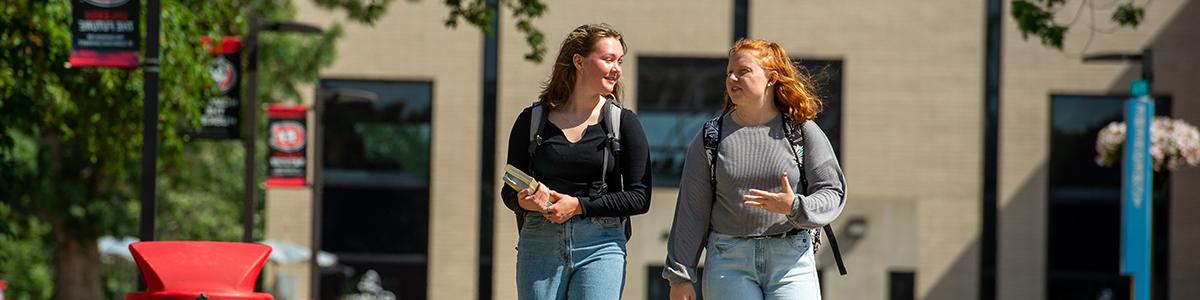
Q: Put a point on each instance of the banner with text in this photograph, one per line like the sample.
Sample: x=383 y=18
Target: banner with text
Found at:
x=286 y=146
x=104 y=33
x=219 y=116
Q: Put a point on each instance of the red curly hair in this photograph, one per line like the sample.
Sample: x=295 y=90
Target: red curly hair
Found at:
x=794 y=92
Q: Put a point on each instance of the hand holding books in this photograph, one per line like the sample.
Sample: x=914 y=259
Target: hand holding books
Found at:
x=531 y=195
x=534 y=196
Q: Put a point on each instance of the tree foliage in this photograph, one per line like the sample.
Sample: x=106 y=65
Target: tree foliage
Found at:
x=475 y=12
x=70 y=137
x=1036 y=17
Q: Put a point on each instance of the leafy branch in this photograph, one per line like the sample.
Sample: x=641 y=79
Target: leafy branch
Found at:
x=1036 y=17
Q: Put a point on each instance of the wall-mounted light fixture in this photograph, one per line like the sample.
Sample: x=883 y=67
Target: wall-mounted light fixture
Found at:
x=855 y=228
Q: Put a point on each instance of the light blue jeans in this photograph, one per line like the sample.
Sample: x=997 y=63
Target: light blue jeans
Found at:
x=767 y=268
x=583 y=258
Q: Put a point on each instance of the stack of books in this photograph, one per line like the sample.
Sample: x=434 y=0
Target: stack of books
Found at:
x=518 y=180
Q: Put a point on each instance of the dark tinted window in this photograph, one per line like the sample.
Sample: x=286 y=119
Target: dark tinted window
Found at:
x=902 y=285
x=1084 y=209
x=677 y=95
x=375 y=206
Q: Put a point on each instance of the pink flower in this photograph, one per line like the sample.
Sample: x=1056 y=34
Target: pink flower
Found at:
x=1174 y=143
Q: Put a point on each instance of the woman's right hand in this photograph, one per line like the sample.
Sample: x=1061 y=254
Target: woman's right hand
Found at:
x=535 y=201
x=683 y=291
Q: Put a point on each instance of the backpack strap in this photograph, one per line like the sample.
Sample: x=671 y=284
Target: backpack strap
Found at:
x=612 y=119
x=837 y=252
x=795 y=136
x=613 y=122
x=711 y=136
x=611 y=111
x=537 y=122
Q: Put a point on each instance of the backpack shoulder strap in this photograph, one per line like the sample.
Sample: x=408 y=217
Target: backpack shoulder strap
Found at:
x=611 y=113
x=711 y=135
x=612 y=120
x=795 y=136
x=537 y=121
x=794 y=131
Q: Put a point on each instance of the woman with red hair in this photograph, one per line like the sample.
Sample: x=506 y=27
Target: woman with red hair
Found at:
x=757 y=183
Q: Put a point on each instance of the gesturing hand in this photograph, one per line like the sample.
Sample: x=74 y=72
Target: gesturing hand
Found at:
x=563 y=209
x=780 y=203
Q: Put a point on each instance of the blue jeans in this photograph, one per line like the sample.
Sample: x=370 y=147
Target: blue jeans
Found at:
x=583 y=258
x=767 y=268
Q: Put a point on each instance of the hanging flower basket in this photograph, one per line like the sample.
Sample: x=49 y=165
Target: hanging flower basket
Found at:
x=1173 y=143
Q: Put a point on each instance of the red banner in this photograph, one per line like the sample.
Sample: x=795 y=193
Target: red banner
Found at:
x=287 y=142
x=104 y=33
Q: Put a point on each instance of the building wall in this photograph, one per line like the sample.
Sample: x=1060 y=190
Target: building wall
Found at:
x=1176 y=67
x=912 y=129
x=1030 y=74
x=288 y=219
x=411 y=43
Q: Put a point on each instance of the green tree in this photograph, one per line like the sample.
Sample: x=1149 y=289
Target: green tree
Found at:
x=69 y=146
x=1036 y=17
x=475 y=12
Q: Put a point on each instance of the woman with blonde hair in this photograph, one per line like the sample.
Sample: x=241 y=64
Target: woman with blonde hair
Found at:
x=592 y=160
x=757 y=183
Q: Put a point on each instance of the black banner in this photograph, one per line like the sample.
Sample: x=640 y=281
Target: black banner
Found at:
x=286 y=145
x=220 y=116
x=104 y=33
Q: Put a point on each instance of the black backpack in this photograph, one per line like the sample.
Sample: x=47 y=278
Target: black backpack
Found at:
x=612 y=121
x=795 y=137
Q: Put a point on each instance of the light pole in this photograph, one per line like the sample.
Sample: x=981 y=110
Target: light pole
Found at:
x=339 y=96
x=250 y=112
x=150 y=68
x=1136 y=176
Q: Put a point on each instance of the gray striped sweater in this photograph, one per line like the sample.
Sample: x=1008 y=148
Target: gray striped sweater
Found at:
x=750 y=157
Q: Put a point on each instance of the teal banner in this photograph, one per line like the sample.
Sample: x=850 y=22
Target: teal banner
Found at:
x=1136 y=188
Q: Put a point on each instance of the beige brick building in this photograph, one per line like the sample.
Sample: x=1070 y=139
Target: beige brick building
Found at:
x=910 y=82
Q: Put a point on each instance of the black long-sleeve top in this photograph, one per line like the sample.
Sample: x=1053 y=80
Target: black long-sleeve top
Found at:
x=570 y=168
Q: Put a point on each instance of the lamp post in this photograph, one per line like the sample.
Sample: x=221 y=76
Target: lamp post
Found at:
x=150 y=69
x=339 y=96
x=250 y=112
x=150 y=77
x=1136 y=176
